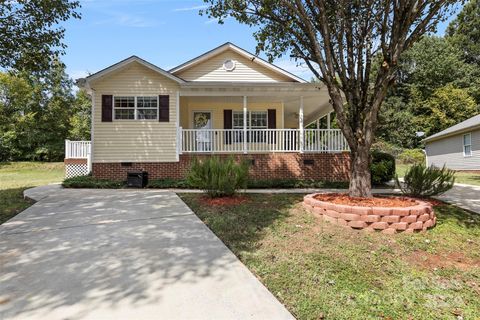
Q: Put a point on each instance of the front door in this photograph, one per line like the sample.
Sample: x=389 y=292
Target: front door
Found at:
x=202 y=121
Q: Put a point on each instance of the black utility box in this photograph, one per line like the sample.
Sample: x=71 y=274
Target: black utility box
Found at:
x=137 y=179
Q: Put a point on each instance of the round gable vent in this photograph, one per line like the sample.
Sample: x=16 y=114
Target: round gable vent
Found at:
x=229 y=65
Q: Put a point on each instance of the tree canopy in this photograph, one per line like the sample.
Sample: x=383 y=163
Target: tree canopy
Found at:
x=37 y=113
x=30 y=32
x=464 y=31
x=339 y=41
x=438 y=83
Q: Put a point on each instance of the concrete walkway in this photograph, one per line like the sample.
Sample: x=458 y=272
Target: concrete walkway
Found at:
x=464 y=196
x=121 y=254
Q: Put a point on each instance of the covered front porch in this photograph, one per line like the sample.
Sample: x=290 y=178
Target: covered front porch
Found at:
x=256 y=119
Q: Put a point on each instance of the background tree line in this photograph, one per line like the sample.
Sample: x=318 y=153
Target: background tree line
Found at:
x=39 y=107
x=38 y=111
x=438 y=83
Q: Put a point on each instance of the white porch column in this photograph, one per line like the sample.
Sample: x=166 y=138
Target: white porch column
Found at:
x=177 y=126
x=328 y=120
x=300 y=124
x=245 y=145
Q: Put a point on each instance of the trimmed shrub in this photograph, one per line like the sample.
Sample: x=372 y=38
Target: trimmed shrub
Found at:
x=168 y=183
x=382 y=167
x=423 y=181
x=91 y=182
x=411 y=156
x=295 y=183
x=218 y=178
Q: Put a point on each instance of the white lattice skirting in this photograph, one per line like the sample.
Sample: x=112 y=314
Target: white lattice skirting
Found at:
x=75 y=170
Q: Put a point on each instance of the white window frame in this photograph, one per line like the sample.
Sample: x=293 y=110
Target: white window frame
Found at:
x=135 y=108
x=249 y=120
x=467 y=145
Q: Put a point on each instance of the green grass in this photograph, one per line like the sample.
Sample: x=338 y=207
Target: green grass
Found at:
x=460 y=177
x=323 y=271
x=18 y=176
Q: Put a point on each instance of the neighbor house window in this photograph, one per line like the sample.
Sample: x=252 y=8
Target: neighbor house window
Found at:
x=467 y=145
x=135 y=108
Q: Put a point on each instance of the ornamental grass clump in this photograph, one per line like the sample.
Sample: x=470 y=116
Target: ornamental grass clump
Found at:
x=423 y=181
x=218 y=178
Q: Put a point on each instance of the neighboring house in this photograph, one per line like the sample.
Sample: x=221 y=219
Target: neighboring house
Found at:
x=226 y=101
x=457 y=147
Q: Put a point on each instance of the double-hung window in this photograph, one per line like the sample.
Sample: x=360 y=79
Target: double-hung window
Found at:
x=135 y=108
x=467 y=145
x=255 y=120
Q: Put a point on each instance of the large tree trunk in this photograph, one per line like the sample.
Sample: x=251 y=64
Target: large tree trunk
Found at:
x=360 y=181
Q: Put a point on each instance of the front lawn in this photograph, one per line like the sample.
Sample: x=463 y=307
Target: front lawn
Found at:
x=18 y=176
x=460 y=177
x=324 y=271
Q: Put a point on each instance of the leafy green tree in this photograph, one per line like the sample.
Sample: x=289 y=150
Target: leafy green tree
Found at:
x=338 y=40
x=446 y=107
x=397 y=123
x=30 y=33
x=464 y=31
x=38 y=112
x=80 y=121
x=433 y=67
x=432 y=63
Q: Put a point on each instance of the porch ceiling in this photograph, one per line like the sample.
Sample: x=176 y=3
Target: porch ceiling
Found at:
x=315 y=96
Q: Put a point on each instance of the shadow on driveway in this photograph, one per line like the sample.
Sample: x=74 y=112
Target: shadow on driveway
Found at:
x=122 y=254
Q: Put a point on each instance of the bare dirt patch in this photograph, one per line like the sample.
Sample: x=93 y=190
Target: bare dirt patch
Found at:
x=377 y=201
x=430 y=261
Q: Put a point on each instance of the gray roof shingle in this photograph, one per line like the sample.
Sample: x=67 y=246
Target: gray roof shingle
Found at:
x=467 y=124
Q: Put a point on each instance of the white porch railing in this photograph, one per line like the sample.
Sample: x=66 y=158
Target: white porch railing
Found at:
x=261 y=140
x=77 y=149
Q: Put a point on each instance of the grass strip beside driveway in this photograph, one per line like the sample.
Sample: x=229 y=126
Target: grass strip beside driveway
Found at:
x=15 y=177
x=324 y=271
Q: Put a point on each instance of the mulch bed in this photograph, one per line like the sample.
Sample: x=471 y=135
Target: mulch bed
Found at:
x=377 y=201
x=224 y=201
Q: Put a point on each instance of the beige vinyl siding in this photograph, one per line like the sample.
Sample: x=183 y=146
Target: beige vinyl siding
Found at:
x=216 y=105
x=449 y=151
x=245 y=70
x=134 y=140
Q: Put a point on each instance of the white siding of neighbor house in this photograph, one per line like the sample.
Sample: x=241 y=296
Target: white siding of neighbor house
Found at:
x=449 y=152
x=245 y=70
x=134 y=140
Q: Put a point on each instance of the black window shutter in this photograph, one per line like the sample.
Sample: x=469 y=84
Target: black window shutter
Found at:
x=164 y=108
x=107 y=104
x=227 y=124
x=272 y=123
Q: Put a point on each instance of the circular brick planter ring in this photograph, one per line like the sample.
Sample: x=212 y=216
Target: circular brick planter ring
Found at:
x=390 y=220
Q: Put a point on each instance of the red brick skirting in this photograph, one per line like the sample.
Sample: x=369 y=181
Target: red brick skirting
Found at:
x=325 y=166
x=75 y=161
x=388 y=220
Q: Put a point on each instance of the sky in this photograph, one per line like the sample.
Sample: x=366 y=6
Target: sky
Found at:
x=163 y=32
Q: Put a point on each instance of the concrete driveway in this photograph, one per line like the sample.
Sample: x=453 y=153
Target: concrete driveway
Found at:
x=464 y=196
x=122 y=254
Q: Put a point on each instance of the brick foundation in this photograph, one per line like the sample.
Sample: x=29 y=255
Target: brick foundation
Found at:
x=74 y=161
x=325 y=166
x=387 y=220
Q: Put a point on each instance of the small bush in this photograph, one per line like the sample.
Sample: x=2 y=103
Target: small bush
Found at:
x=295 y=183
x=91 y=182
x=382 y=167
x=217 y=177
x=411 y=156
x=168 y=183
x=422 y=181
